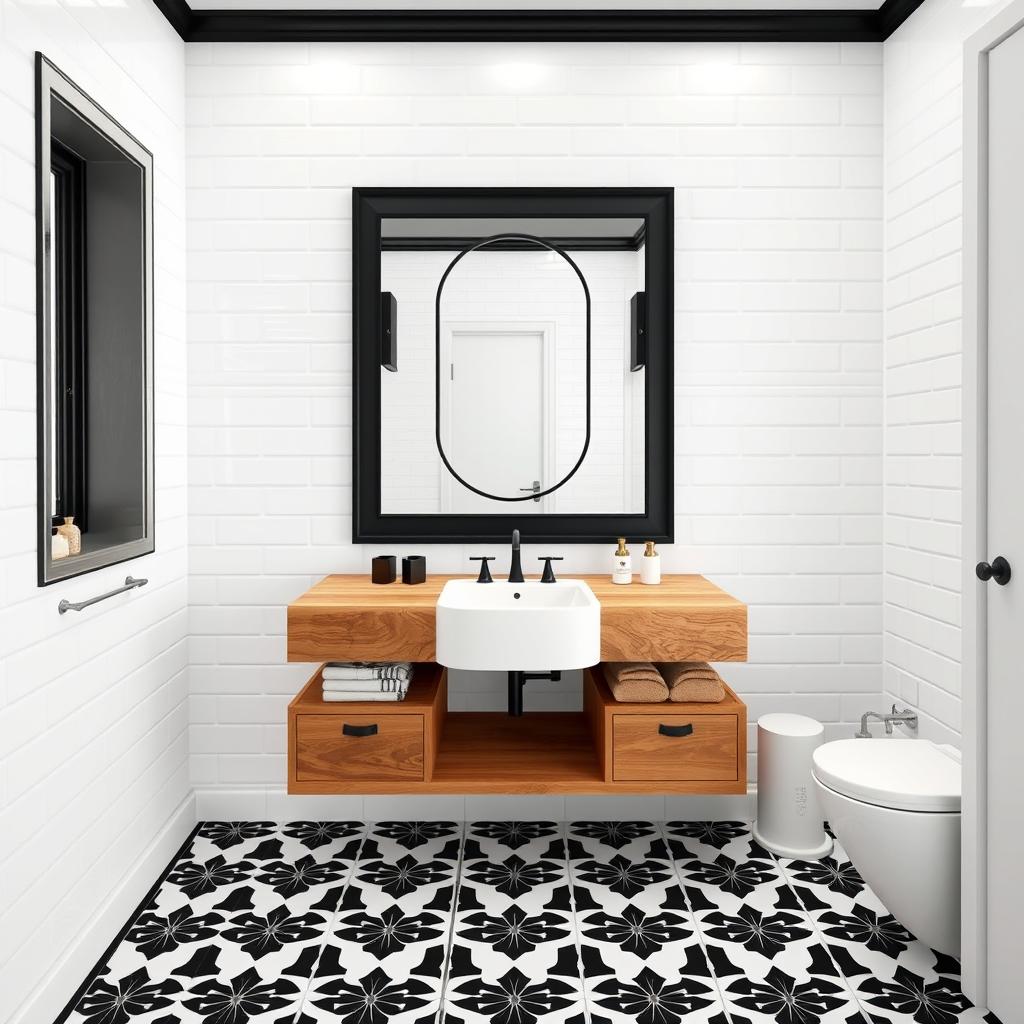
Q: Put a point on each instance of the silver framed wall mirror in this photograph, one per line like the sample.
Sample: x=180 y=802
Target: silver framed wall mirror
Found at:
x=94 y=294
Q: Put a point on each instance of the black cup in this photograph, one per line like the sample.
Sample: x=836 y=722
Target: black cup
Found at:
x=414 y=569
x=383 y=569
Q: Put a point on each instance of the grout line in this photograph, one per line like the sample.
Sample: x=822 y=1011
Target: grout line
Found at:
x=577 y=932
x=693 y=919
x=329 y=930
x=450 y=942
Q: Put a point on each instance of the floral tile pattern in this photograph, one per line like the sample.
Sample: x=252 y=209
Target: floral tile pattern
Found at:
x=641 y=955
x=384 y=958
x=233 y=933
x=770 y=965
x=514 y=956
x=895 y=977
x=513 y=923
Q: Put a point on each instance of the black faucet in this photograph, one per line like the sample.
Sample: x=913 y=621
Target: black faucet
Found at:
x=515 y=570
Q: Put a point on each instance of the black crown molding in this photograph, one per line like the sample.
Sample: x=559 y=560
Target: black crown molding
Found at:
x=268 y=26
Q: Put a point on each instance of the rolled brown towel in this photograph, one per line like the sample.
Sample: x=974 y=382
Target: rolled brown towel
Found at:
x=692 y=682
x=635 y=682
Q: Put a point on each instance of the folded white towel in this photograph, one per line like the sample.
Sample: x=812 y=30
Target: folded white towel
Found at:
x=369 y=695
x=365 y=686
x=396 y=670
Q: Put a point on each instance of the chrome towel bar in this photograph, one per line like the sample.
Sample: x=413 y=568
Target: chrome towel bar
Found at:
x=130 y=583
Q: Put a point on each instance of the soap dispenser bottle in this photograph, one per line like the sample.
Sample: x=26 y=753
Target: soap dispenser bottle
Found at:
x=650 y=565
x=622 y=564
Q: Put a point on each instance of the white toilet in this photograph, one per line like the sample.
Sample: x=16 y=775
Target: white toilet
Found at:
x=894 y=805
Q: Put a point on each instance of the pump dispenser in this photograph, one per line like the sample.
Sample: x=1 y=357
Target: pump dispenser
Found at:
x=622 y=564
x=650 y=565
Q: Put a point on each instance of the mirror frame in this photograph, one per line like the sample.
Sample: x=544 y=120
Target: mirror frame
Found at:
x=372 y=205
x=50 y=80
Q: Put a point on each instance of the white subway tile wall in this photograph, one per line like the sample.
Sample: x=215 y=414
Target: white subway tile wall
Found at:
x=775 y=154
x=923 y=241
x=93 y=707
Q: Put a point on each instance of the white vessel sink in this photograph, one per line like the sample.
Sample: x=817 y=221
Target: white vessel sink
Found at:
x=518 y=627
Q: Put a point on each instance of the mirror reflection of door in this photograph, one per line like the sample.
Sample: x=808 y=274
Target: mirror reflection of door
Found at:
x=496 y=391
x=512 y=428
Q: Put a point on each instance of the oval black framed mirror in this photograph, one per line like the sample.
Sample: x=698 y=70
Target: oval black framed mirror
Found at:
x=512 y=428
x=512 y=355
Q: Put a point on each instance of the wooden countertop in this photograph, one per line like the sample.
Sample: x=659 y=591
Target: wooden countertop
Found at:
x=348 y=618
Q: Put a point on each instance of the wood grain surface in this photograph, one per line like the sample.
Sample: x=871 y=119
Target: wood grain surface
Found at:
x=348 y=618
x=641 y=751
x=325 y=753
x=421 y=748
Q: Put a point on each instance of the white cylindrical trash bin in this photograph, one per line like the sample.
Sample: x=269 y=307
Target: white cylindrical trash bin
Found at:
x=789 y=821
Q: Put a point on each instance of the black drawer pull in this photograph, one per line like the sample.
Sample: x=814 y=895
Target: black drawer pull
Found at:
x=676 y=730
x=359 y=730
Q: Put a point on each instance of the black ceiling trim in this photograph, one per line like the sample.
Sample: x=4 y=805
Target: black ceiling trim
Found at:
x=230 y=26
x=893 y=13
x=179 y=14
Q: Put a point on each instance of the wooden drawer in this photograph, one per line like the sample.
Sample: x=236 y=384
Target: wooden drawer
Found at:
x=340 y=748
x=675 y=748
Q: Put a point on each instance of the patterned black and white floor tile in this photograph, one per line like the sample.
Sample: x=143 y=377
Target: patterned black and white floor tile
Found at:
x=762 y=946
x=514 y=955
x=234 y=931
x=892 y=973
x=385 y=955
x=512 y=923
x=640 y=953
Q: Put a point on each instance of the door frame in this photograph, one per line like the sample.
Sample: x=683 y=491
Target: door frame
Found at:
x=549 y=398
x=974 y=669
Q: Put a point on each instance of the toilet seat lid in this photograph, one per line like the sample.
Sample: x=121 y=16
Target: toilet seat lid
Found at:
x=909 y=775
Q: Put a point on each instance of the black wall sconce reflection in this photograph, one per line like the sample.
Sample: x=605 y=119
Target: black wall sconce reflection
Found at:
x=499 y=240
x=638 y=331
x=389 y=332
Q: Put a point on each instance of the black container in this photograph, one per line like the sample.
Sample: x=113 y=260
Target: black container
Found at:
x=384 y=569
x=414 y=569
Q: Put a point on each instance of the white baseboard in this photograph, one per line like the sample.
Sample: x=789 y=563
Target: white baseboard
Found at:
x=74 y=965
x=273 y=803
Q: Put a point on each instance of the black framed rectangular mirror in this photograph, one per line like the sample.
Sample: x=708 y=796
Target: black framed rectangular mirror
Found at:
x=512 y=364
x=94 y=295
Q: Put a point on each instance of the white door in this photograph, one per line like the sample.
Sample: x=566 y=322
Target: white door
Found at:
x=496 y=416
x=1005 y=604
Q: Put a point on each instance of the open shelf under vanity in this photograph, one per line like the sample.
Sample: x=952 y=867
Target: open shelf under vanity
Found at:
x=418 y=746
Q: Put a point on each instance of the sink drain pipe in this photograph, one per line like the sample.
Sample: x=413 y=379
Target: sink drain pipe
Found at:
x=516 y=682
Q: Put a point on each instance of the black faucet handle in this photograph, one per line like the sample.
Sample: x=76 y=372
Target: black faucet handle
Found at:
x=485 y=569
x=548 y=575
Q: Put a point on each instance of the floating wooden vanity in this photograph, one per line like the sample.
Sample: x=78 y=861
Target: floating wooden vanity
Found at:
x=418 y=746
x=348 y=618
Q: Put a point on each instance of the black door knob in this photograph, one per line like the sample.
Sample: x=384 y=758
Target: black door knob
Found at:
x=999 y=570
